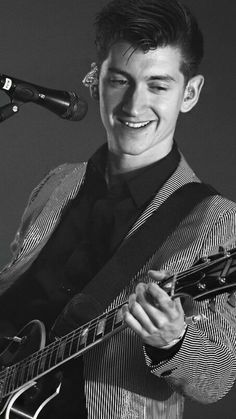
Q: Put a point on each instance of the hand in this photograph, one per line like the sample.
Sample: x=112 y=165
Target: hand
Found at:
x=153 y=315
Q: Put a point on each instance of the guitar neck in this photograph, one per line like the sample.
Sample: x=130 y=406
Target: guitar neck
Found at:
x=61 y=350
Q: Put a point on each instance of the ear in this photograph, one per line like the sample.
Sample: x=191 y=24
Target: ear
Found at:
x=192 y=93
x=94 y=91
x=91 y=80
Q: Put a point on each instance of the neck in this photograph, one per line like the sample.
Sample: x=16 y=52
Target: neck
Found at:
x=125 y=163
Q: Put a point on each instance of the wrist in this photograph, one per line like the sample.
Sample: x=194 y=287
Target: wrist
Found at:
x=176 y=340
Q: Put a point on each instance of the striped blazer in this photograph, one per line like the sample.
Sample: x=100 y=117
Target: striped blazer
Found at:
x=121 y=382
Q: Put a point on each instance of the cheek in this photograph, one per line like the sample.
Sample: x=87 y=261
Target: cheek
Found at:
x=106 y=110
x=170 y=109
x=109 y=105
x=104 y=103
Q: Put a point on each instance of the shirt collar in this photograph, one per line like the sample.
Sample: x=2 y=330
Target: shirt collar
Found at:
x=143 y=183
x=146 y=182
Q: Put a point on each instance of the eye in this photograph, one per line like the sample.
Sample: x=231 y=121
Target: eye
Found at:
x=158 y=87
x=118 y=82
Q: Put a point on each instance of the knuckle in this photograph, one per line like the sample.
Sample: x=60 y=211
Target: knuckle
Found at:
x=140 y=288
x=132 y=298
x=161 y=323
x=158 y=275
x=153 y=288
x=134 y=307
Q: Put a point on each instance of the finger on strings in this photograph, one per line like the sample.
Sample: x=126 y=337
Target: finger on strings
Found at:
x=131 y=321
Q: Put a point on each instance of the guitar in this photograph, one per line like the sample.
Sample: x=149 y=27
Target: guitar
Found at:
x=27 y=358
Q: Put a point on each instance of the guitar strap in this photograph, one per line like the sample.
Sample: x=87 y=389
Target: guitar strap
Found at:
x=148 y=238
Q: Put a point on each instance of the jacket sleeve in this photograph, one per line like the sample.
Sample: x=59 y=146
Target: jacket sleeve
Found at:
x=36 y=202
x=204 y=367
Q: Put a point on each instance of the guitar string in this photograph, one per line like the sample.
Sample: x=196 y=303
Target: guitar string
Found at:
x=91 y=326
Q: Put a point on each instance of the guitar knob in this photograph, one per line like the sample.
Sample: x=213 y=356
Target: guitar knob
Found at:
x=201 y=286
x=205 y=259
x=221 y=279
x=225 y=251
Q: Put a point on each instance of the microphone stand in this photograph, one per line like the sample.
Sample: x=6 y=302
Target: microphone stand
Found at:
x=9 y=110
x=18 y=97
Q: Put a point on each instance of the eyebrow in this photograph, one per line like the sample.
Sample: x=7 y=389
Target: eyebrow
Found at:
x=163 y=77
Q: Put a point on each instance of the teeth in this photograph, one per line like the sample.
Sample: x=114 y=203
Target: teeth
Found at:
x=136 y=124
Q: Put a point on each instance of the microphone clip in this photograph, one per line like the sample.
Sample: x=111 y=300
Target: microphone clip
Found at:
x=8 y=110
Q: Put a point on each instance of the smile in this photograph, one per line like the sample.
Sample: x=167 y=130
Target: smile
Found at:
x=135 y=125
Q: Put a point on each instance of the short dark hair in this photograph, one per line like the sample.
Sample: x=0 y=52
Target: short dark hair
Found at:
x=148 y=24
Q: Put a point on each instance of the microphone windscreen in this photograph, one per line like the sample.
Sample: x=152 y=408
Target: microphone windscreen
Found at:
x=77 y=110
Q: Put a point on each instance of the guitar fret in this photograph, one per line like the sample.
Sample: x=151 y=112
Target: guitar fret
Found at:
x=110 y=322
x=83 y=338
x=2 y=384
x=101 y=327
x=60 y=350
x=53 y=355
x=35 y=367
x=15 y=378
x=45 y=362
x=30 y=373
x=21 y=374
x=31 y=368
x=67 y=346
x=91 y=334
x=42 y=362
x=7 y=380
x=72 y=348
x=118 y=318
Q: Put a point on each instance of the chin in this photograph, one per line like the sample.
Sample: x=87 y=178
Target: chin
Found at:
x=131 y=145
x=131 y=149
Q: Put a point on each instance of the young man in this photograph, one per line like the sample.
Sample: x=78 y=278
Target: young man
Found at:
x=81 y=215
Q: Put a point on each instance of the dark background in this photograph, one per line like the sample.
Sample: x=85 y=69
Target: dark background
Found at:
x=50 y=43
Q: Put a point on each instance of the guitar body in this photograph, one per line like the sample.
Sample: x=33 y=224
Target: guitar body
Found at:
x=31 y=398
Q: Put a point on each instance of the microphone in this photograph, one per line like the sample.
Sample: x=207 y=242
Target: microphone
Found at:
x=67 y=105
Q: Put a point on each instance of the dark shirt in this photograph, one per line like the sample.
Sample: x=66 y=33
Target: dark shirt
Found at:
x=131 y=192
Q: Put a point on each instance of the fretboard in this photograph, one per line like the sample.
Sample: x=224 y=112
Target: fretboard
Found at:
x=61 y=350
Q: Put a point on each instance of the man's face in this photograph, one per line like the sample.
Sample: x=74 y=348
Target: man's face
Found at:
x=140 y=98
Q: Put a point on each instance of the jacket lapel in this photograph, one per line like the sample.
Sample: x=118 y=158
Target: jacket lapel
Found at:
x=180 y=177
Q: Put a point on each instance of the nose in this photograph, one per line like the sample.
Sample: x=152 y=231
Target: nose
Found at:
x=135 y=101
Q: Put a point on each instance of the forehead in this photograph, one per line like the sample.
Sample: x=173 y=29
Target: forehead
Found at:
x=124 y=57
